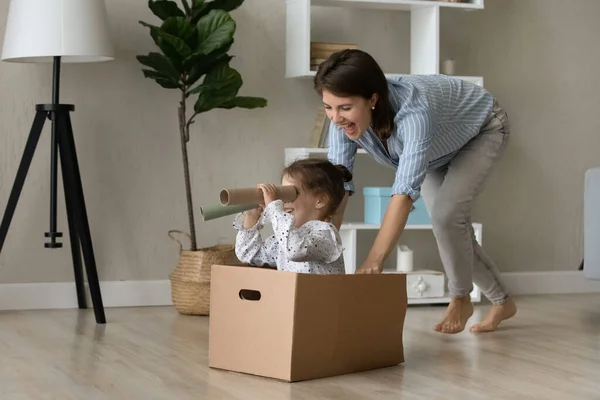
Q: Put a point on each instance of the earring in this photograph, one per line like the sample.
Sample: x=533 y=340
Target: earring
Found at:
x=372 y=108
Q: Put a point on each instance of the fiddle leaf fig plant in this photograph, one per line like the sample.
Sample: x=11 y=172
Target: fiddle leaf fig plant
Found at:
x=192 y=57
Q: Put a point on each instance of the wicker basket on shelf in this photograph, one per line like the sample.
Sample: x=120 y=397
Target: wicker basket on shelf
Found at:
x=190 y=280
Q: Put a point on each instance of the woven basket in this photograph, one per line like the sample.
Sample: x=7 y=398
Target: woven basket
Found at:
x=190 y=280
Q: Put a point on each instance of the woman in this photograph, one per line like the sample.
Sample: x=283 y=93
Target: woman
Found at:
x=442 y=136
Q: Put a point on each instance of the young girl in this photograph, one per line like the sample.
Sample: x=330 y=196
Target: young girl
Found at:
x=304 y=238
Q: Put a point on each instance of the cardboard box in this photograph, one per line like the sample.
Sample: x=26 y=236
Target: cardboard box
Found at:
x=296 y=327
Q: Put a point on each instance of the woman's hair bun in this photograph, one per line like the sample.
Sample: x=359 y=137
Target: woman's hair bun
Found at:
x=346 y=174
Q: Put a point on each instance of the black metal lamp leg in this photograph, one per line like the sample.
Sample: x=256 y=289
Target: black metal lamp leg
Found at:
x=30 y=146
x=73 y=232
x=74 y=188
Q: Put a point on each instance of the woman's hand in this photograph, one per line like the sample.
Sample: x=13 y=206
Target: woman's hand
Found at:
x=270 y=193
x=370 y=267
x=392 y=226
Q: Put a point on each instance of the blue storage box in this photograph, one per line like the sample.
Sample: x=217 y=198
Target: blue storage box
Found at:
x=377 y=200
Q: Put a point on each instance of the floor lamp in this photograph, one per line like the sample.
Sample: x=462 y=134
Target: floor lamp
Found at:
x=59 y=31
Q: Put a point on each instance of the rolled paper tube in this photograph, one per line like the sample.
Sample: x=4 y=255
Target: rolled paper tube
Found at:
x=213 y=211
x=254 y=195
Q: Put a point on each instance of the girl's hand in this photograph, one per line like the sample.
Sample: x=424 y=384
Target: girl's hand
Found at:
x=251 y=217
x=270 y=193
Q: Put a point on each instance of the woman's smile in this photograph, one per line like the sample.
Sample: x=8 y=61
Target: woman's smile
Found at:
x=349 y=128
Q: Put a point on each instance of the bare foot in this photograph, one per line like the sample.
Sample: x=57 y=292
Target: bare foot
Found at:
x=457 y=314
x=496 y=315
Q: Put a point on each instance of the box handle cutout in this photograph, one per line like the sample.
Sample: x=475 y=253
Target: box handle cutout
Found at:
x=252 y=295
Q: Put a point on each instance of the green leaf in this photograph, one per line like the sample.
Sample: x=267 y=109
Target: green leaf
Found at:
x=163 y=45
x=170 y=38
x=177 y=45
x=186 y=7
x=244 y=102
x=225 y=5
x=179 y=27
x=220 y=85
x=205 y=65
x=203 y=103
x=161 y=79
x=224 y=74
x=197 y=4
x=214 y=31
x=153 y=31
x=164 y=9
x=176 y=32
x=160 y=63
x=199 y=58
x=223 y=81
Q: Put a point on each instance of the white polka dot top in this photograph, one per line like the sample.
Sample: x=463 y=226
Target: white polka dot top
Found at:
x=314 y=248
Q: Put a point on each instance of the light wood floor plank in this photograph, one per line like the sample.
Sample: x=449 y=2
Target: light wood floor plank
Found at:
x=551 y=350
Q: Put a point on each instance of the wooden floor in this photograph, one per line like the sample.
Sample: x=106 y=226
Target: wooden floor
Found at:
x=551 y=350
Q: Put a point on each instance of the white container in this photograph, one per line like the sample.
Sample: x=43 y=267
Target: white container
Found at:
x=448 y=67
x=405 y=259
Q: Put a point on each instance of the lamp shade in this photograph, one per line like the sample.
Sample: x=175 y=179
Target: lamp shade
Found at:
x=39 y=30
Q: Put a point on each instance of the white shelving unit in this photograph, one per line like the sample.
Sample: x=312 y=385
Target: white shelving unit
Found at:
x=349 y=232
x=424 y=33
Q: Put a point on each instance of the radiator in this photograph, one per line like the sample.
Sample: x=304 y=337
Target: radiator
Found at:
x=591 y=224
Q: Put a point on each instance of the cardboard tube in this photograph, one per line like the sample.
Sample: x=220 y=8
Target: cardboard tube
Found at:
x=213 y=211
x=254 y=195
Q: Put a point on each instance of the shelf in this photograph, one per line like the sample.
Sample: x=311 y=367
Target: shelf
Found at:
x=397 y=5
x=424 y=30
x=350 y=240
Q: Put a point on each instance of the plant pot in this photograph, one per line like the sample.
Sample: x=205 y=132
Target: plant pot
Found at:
x=190 y=280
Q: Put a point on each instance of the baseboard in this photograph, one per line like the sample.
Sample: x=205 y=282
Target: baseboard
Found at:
x=36 y=296
x=549 y=282
x=32 y=296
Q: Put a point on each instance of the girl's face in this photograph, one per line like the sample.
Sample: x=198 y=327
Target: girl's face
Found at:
x=353 y=114
x=306 y=207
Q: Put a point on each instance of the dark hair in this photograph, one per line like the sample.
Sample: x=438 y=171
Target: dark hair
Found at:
x=320 y=176
x=353 y=72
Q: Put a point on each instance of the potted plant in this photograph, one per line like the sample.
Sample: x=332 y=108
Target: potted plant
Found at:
x=192 y=57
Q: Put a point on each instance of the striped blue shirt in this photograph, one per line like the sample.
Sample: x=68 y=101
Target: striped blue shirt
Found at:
x=435 y=115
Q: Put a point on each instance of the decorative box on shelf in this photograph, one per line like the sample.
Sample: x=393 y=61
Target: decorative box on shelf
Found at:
x=377 y=200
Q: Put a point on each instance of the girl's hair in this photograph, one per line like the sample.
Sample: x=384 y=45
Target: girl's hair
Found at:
x=353 y=72
x=319 y=176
